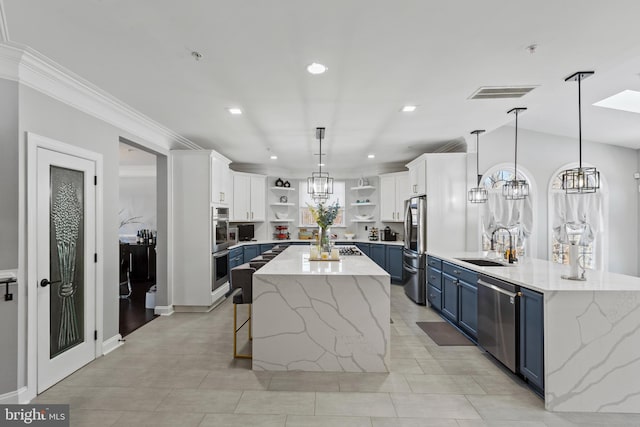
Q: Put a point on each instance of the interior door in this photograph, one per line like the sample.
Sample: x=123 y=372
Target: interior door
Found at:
x=66 y=246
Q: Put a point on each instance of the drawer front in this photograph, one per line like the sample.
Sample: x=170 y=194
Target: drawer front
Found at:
x=434 y=296
x=434 y=262
x=468 y=276
x=434 y=277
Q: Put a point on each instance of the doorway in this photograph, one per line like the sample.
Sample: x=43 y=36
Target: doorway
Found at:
x=138 y=212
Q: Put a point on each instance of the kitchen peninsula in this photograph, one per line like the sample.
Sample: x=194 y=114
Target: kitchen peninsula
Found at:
x=590 y=332
x=321 y=315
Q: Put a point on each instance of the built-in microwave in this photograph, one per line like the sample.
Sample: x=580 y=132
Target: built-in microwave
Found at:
x=219 y=229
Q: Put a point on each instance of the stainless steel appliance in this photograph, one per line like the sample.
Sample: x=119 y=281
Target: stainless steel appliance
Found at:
x=219 y=229
x=414 y=254
x=219 y=244
x=245 y=232
x=220 y=272
x=498 y=314
x=388 y=235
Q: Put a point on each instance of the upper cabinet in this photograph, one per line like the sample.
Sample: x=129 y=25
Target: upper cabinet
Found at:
x=418 y=176
x=393 y=192
x=249 y=197
x=220 y=181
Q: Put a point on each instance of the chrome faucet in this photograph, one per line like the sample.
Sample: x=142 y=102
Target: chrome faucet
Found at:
x=512 y=258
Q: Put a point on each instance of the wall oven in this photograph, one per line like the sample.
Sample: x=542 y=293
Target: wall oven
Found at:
x=220 y=262
x=219 y=244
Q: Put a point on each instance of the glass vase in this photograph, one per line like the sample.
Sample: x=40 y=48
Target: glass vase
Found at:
x=324 y=239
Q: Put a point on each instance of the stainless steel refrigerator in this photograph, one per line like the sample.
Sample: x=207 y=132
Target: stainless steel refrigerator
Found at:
x=414 y=254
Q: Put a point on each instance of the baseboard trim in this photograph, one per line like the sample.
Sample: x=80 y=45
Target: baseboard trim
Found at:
x=164 y=310
x=13 y=397
x=111 y=344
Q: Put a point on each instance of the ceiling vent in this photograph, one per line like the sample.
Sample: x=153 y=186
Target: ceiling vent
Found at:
x=501 y=92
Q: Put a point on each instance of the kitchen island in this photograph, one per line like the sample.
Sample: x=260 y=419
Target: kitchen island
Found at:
x=321 y=315
x=591 y=333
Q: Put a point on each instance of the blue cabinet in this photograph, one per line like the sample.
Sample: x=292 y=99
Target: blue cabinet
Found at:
x=450 y=297
x=532 y=337
x=434 y=282
x=468 y=314
x=394 y=262
x=459 y=296
x=378 y=254
x=250 y=252
x=434 y=296
x=364 y=248
x=266 y=246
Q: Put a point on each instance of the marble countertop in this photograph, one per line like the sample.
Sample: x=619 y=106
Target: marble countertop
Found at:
x=295 y=261
x=339 y=241
x=545 y=276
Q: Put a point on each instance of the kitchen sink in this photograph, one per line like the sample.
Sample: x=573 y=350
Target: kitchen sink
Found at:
x=483 y=262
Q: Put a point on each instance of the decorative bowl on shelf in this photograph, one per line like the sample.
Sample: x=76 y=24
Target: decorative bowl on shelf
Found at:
x=363 y=217
x=349 y=236
x=282 y=215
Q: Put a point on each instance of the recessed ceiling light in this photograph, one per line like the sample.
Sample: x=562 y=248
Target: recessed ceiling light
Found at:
x=371 y=156
x=316 y=68
x=274 y=157
x=235 y=111
x=627 y=100
x=408 y=109
x=320 y=164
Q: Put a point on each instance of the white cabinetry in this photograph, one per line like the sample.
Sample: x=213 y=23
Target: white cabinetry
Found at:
x=393 y=192
x=418 y=176
x=192 y=186
x=249 y=197
x=220 y=181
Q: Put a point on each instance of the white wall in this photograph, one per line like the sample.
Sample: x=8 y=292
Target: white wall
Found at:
x=137 y=199
x=542 y=154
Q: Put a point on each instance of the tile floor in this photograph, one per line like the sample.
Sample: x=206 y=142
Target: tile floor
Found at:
x=178 y=371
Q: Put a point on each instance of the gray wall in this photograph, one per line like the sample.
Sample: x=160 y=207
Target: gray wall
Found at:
x=45 y=116
x=542 y=154
x=9 y=175
x=138 y=199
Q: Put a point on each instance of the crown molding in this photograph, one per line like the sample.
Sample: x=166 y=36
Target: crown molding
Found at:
x=34 y=70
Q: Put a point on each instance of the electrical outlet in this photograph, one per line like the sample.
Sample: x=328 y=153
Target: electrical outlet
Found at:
x=636 y=175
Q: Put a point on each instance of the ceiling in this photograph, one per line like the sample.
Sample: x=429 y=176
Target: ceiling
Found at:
x=381 y=55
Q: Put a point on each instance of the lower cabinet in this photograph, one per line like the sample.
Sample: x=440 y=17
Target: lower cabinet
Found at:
x=468 y=313
x=434 y=296
x=378 y=254
x=394 y=262
x=460 y=297
x=250 y=252
x=532 y=337
x=266 y=246
x=364 y=248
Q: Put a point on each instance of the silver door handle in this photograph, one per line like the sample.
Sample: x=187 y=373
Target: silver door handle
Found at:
x=497 y=289
x=247 y=215
x=251 y=214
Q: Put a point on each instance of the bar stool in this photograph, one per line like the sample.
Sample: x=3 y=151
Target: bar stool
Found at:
x=242 y=293
x=269 y=255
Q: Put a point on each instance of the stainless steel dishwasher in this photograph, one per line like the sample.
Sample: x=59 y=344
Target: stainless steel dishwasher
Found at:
x=498 y=319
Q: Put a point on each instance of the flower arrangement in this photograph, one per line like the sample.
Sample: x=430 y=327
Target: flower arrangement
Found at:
x=324 y=215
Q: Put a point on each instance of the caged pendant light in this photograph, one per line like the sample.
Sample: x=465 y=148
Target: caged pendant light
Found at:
x=580 y=180
x=478 y=194
x=320 y=184
x=515 y=189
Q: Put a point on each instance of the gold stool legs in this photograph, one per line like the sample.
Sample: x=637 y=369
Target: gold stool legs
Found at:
x=235 y=332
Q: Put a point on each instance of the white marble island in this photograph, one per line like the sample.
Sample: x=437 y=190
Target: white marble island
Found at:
x=321 y=315
x=591 y=333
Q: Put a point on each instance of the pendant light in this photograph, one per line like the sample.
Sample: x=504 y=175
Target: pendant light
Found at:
x=478 y=194
x=515 y=189
x=580 y=180
x=320 y=184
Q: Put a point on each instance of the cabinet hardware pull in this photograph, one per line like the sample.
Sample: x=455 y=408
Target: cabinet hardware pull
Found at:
x=247 y=215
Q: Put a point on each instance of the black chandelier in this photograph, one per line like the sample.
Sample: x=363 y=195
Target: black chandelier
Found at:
x=478 y=194
x=580 y=180
x=515 y=189
x=320 y=184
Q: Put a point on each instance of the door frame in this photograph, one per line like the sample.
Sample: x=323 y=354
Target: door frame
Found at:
x=34 y=142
